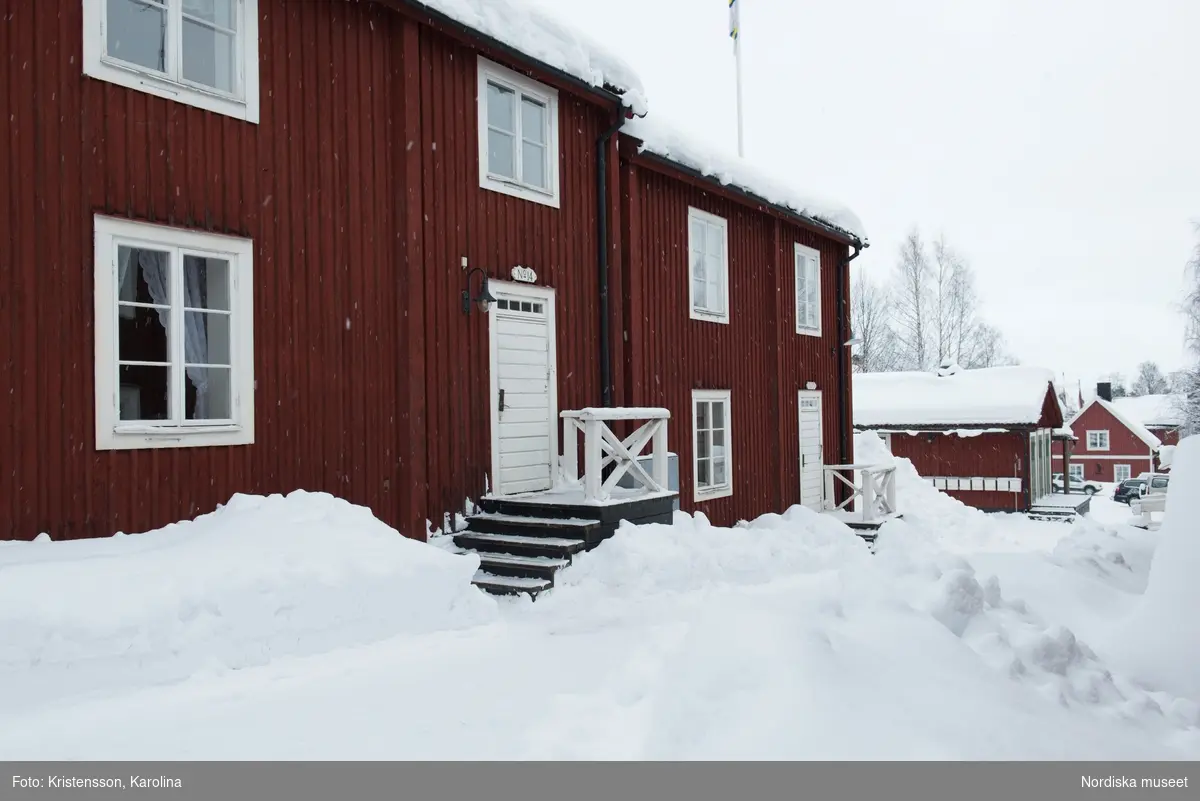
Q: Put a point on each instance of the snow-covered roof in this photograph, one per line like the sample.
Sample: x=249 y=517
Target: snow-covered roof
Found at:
x=527 y=27
x=989 y=396
x=1136 y=428
x=1154 y=410
x=669 y=142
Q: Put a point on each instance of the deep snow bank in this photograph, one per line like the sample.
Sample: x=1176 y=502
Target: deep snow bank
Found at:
x=259 y=578
x=1160 y=641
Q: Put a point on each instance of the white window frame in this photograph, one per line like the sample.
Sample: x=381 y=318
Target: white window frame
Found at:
x=111 y=432
x=708 y=220
x=522 y=87
x=805 y=256
x=242 y=104
x=1098 y=447
x=1077 y=467
x=724 y=397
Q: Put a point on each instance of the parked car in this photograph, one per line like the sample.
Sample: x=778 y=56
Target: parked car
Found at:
x=1129 y=489
x=1077 y=484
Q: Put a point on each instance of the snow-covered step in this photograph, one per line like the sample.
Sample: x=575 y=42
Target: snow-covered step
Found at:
x=549 y=522
x=510 y=585
x=503 y=564
x=519 y=544
x=534 y=525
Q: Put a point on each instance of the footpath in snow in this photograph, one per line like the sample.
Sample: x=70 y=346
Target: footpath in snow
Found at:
x=303 y=628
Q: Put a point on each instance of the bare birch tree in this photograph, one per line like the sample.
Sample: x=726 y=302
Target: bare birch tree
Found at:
x=1150 y=380
x=1190 y=376
x=912 y=303
x=871 y=319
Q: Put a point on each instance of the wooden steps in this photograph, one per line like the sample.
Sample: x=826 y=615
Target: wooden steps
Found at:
x=523 y=543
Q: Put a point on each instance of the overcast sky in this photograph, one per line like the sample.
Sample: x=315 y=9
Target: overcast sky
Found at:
x=1055 y=142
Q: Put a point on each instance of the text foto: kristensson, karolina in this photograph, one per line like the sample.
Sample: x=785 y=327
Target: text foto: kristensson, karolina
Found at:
x=96 y=782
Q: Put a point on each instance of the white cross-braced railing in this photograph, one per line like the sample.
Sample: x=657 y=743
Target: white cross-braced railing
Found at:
x=602 y=448
x=877 y=491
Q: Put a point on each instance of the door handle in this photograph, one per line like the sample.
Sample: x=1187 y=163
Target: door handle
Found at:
x=501 y=400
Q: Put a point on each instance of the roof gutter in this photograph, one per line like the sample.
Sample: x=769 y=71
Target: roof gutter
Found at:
x=825 y=228
x=604 y=94
x=847 y=455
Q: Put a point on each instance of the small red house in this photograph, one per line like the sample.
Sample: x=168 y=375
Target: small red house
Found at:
x=376 y=248
x=1120 y=439
x=983 y=436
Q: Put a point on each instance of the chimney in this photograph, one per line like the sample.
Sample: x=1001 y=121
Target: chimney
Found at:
x=1104 y=391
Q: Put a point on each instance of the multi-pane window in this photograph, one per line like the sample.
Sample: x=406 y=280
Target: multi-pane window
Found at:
x=808 y=290
x=1121 y=472
x=712 y=463
x=1097 y=440
x=199 y=52
x=1077 y=471
x=708 y=260
x=174 y=352
x=518 y=135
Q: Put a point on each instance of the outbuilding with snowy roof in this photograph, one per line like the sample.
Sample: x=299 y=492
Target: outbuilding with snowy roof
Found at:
x=981 y=435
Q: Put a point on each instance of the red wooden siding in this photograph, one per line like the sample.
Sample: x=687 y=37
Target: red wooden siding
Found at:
x=995 y=455
x=758 y=355
x=1124 y=447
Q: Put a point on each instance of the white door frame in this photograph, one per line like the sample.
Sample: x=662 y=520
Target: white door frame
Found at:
x=820 y=396
x=547 y=297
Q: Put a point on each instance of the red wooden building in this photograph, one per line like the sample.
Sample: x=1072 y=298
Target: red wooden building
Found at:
x=241 y=241
x=1121 y=438
x=983 y=436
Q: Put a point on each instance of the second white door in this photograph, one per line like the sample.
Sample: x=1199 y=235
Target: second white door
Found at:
x=812 y=462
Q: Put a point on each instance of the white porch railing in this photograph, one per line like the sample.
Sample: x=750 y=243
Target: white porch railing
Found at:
x=876 y=495
x=601 y=448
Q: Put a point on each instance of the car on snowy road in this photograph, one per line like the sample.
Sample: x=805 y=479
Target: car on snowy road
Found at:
x=1077 y=485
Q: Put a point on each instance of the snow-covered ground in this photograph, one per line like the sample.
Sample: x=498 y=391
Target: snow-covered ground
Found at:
x=301 y=628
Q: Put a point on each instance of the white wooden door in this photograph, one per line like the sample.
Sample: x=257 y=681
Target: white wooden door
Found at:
x=524 y=400
x=812 y=460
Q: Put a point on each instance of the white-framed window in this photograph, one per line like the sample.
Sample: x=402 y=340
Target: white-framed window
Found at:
x=1076 y=469
x=203 y=53
x=708 y=266
x=1097 y=440
x=518 y=135
x=174 y=337
x=808 y=291
x=712 y=462
x=1121 y=472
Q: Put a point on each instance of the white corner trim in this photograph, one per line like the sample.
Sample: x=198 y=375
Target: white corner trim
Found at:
x=695 y=313
x=243 y=105
x=804 y=250
x=724 y=396
x=521 y=85
x=111 y=433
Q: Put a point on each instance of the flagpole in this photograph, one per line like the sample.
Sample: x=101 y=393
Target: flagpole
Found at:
x=736 y=33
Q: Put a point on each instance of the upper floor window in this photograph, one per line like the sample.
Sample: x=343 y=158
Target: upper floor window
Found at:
x=808 y=291
x=174 y=337
x=203 y=53
x=708 y=258
x=518 y=135
x=1097 y=440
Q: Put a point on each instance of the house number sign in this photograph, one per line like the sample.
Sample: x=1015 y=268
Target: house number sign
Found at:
x=525 y=275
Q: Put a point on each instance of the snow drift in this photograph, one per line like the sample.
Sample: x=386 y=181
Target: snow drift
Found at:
x=260 y=578
x=1160 y=642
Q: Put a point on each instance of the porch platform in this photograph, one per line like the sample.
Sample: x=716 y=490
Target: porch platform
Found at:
x=1060 y=507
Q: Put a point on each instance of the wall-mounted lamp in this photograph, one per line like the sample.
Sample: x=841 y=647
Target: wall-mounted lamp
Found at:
x=484 y=298
x=853 y=341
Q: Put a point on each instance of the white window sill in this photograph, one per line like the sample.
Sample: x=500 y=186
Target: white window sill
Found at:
x=150 y=437
x=713 y=494
x=514 y=189
x=131 y=77
x=709 y=317
x=809 y=332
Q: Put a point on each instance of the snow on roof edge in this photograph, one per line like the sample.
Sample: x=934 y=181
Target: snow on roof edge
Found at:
x=992 y=396
x=669 y=142
x=535 y=32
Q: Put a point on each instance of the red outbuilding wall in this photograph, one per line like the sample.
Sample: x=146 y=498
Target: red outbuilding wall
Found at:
x=993 y=455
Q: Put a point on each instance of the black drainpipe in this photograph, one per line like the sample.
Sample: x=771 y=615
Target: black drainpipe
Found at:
x=846 y=456
x=602 y=213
